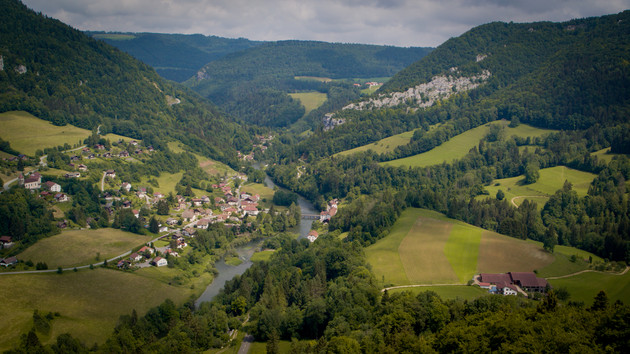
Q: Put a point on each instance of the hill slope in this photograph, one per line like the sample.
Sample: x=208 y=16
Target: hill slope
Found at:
x=175 y=57
x=60 y=74
x=248 y=82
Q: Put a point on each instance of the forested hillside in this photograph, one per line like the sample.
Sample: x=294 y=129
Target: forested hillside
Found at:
x=176 y=57
x=62 y=75
x=252 y=84
x=571 y=76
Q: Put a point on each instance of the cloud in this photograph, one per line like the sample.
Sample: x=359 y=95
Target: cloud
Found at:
x=392 y=22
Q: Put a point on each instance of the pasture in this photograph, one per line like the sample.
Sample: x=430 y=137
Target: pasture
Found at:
x=584 y=287
x=89 y=302
x=459 y=145
x=550 y=180
x=27 y=133
x=310 y=100
x=81 y=247
x=384 y=145
x=166 y=182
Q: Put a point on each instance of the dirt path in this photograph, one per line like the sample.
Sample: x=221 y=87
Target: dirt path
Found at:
x=588 y=271
x=103 y=182
x=419 y=285
x=525 y=196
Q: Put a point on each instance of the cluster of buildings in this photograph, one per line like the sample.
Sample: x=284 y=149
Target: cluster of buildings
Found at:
x=331 y=210
x=143 y=257
x=49 y=189
x=511 y=283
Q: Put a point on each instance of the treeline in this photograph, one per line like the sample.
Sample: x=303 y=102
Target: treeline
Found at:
x=72 y=78
x=323 y=298
x=246 y=83
x=597 y=223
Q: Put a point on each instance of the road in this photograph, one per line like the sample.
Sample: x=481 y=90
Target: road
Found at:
x=588 y=271
x=526 y=196
x=72 y=268
x=103 y=181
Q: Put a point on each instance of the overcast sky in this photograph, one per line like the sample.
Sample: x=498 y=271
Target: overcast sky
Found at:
x=392 y=22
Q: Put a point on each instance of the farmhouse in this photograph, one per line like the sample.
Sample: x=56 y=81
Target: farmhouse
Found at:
x=60 y=197
x=146 y=249
x=110 y=174
x=135 y=257
x=33 y=181
x=8 y=261
x=525 y=280
x=159 y=262
x=52 y=186
x=125 y=186
x=72 y=175
x=312 y=235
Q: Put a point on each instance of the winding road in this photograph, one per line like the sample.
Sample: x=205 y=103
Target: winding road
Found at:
x=526 y=196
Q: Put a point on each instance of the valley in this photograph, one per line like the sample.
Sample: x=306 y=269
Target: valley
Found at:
x=314 y=196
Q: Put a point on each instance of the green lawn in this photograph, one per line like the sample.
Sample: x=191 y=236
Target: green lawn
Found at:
x=458 y=146
x=166 y=181
x=262 y=256
x=550 y=180
x=384 y=145
x=585 y=286
x=263 y=191
x=605 y=155
x=89 y=301
x=462 y=250
x=27 y=133
x=80 y=247
x=462 y=292
x=310 y=100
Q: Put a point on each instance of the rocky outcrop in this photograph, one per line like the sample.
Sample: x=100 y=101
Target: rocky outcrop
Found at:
x=440 y=87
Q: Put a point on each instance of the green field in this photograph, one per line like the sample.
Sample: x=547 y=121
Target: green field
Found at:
x=263 y=191
x=462 y=292
x=166 y=182
x=313 y=78
x=89 y=301
x=458 y=146
x=605 y=155
x=310 y=100
x=550 y=180
x=584 y=287
x=27 y=133
x=262 y=256
x=384 y=145
x=425 y=247
x=80 y=247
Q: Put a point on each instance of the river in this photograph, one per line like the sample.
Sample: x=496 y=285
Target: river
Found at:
x=245 y=252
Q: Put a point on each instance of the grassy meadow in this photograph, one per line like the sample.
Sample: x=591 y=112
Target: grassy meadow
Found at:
x=550 y=180
x=166 y=182
x=89 y=302
x=80 y=247
x=458 y=146
x=310 y=100
x=584 y=287
x=384 y=145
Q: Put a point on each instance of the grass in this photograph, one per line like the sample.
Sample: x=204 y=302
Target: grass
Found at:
x=458 y=146
x=310 y=100
x=214 y=168
x=462 y=292
x=585 y=286
x=284 y=346
x=166 y=182
x=500 y=253
x=27 y=133
x=605 y=155
x=550 y=180
x=384 y=145
x=233 y=261
x=426 y=247
x=263 y=191
x=262 y=256
x=89 y=301
x=80 y=247
x=313 y=78
x=175 y=146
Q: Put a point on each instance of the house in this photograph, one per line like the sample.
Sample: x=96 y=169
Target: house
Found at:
x=123 y=153
x=163 y=228
x=72 y=175
x=197 y=201
x=126 y=204
x=8 y=261
x=527 y=281
x=158 y=195
x=146 y=249
x=125 y=186
x=52 y=186
x=82 y=167
x=99 y=147
x=6 y=241
x=188 y=215
x=33 y=181
x=60 y=197
x=136 y=213
x=205 y=199
x=110 y=174
x=250 y=210
x=312 y=235
x=202 y=224
x=135 y=257
x=159 y=262
x=171 y=252
x=123 y=264
x=171 y=221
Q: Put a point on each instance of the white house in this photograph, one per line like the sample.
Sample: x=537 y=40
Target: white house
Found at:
x=160 y=262
x=53 y=187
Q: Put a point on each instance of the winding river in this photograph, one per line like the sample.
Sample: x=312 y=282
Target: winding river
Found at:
x=245 y=252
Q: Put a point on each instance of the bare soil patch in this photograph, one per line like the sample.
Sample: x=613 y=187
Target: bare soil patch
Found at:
x=498 y=254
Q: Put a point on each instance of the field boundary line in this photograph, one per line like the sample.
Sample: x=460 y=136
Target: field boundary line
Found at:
x=421 y=285
x=526 y=196
x=588 y=271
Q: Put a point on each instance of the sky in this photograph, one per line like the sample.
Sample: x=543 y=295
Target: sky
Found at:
x=421 y=23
